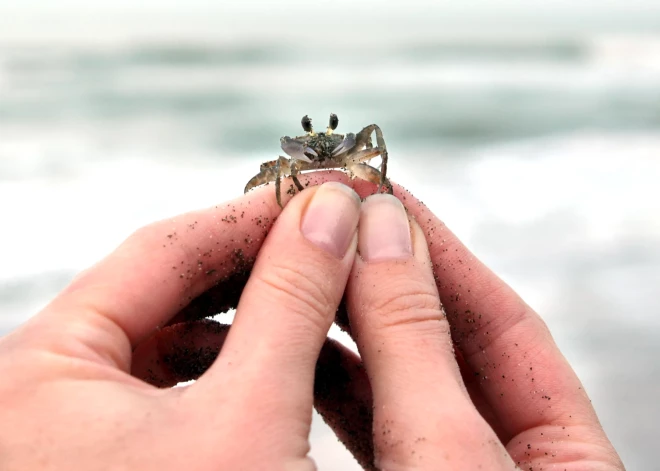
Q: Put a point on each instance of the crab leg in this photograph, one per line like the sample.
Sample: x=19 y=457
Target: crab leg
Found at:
x=358 y=168
x=268 y=173
x=294 y=177
x=370 y=174
x=280 y=168
x=363 y=138
x=286 y=167
x=363 y=155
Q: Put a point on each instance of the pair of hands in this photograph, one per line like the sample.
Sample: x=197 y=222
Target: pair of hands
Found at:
x=77 y=389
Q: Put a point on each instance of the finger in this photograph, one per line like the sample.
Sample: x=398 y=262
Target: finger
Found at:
x=523 y=376
x=342 y=396
x=423 y=415
x=178 y=353
x=156 y=272
x=290 y=301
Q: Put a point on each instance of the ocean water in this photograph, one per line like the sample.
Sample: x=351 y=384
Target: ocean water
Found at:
x=538 y=144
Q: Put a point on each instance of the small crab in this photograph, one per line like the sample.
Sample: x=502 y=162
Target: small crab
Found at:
x=323 y=151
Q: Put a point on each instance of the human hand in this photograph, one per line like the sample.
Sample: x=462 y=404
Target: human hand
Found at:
x=69 y=401
x=71 y=404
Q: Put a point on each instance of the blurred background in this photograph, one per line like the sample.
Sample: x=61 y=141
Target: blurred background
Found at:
x=532 y=128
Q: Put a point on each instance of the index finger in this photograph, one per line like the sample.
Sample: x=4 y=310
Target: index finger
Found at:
x=162 y=267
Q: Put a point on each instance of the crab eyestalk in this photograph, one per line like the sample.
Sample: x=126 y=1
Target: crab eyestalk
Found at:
x=332 y=125
x=307 y=125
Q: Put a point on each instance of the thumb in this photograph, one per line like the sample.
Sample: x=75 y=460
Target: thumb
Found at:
x=288 y=305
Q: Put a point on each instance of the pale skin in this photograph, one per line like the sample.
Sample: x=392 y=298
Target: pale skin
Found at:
x=77 y=379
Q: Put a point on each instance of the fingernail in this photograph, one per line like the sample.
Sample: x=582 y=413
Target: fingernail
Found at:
x=384 y=232
x=331 y=218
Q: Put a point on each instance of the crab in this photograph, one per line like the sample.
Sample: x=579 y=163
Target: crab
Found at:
x=326 y=150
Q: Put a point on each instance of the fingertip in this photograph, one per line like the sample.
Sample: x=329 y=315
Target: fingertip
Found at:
x=330 y=218
x=384 y=230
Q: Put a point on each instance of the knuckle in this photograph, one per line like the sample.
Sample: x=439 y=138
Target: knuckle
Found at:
x=145 y=232
x=298 y=290
x=145 y=236
x=409 y=302
x=512 y=315
x=458 y=428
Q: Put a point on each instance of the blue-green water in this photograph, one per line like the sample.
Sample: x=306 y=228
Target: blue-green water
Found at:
x=236 y=97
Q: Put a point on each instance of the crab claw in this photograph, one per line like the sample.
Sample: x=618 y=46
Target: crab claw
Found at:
x=345 y=145
x=295 y=149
